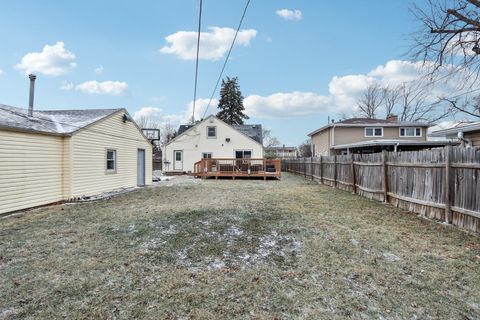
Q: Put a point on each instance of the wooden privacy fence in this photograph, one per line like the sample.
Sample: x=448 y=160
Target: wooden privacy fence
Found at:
x=441 y=184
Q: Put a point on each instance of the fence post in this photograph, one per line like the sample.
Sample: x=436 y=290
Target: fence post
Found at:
x=354 y=187
x=335 y=171
x=385 y=176
x=321 y=170
x=311 y=168
x=305 y=167
x=448 y=198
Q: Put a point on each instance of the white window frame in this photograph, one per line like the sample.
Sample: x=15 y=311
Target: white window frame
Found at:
x=114 y=170
x=373 y=131
x=414 y=132
x=205 y=153
x=212 y=137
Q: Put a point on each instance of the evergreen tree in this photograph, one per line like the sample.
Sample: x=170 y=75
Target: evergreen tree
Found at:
x=231 y=102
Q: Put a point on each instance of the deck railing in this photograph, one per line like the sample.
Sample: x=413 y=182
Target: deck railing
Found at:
x=229 y=167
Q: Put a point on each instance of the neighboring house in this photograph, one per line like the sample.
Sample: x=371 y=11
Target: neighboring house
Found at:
x=53 y=156
x=361 y=135
x=281 y=152
x=467 y=134
x=211 y=138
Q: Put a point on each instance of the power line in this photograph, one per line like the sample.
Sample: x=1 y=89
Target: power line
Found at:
x=196 y=63
x=228 y=56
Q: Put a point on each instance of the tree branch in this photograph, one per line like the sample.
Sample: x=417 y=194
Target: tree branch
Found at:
x=475 y=3
x=463 y=18
x=454 y=30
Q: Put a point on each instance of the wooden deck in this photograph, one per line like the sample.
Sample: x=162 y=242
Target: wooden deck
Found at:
x=238 y=168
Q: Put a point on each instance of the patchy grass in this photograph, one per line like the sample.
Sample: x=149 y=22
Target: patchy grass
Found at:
x=235 y=249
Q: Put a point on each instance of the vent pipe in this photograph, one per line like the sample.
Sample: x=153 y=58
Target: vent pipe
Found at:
x=32 y=78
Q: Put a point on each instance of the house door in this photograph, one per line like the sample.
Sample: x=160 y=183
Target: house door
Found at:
x=141 y=167
x=178 y=160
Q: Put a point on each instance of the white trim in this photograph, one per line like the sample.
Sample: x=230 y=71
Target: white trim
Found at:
x=209 y=117
x=414 y=132
x=114 y=170
x=175 y=159
x=212 y=137
x=373 y=128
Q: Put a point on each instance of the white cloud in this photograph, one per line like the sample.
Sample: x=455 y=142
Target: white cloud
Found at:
x=343 y=92
x=286 y=104
x=52 y=60
x=66 y=85
x=157 y=115
x=105 y=87
x=98 y=70
x=213 y=44
x=289 y=15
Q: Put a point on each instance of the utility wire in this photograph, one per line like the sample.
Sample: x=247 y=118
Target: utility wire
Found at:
x=228 y=55
x=196 y=63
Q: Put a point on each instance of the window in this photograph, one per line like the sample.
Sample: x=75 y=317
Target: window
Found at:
x=211 y=132
x=178 y=156
x=206 y=155
x=243 y=154
x=111 y=160
x=373 y=132
x=410 y=132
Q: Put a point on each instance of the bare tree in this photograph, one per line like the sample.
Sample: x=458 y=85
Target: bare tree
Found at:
x=391 y=97
x=167 y=132
x=464 y=105
x=370 y=101
x=449 y=35
x=305 y=149
x=268 y=139
x=143 y=122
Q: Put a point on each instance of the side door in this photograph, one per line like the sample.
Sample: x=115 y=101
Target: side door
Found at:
x=178 y=160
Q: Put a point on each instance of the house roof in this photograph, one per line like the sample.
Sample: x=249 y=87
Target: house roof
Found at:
x=393 y=142
x=56 y=122
x=183 y=128
x=281 y=148
x=365 y=122
x=254 y=129
x=462 y=127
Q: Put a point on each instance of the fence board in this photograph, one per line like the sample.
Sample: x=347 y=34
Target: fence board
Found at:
x=418 y=181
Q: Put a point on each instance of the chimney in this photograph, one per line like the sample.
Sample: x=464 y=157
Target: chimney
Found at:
x=32 y=78
x=392 y=118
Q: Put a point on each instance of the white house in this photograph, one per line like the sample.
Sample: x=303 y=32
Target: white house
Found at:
x=211 y=138
x=53 y=156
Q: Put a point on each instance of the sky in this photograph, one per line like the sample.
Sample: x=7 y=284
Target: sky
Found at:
x=298 y=62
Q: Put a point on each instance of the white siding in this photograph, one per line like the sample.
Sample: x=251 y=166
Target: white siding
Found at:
x=194 y=142
x=89 y=147
x=31 y=170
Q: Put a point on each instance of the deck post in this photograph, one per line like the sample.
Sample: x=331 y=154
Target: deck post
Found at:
x=354 y=187
x=385 y=176
x=448 y=198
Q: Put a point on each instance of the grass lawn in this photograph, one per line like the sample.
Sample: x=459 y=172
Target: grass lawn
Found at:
x=235 y=249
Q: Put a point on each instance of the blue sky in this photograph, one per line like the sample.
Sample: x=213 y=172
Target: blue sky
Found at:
x=294 y=73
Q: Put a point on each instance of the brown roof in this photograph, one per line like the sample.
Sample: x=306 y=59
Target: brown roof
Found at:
x=359 y=122
x=363 y=121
